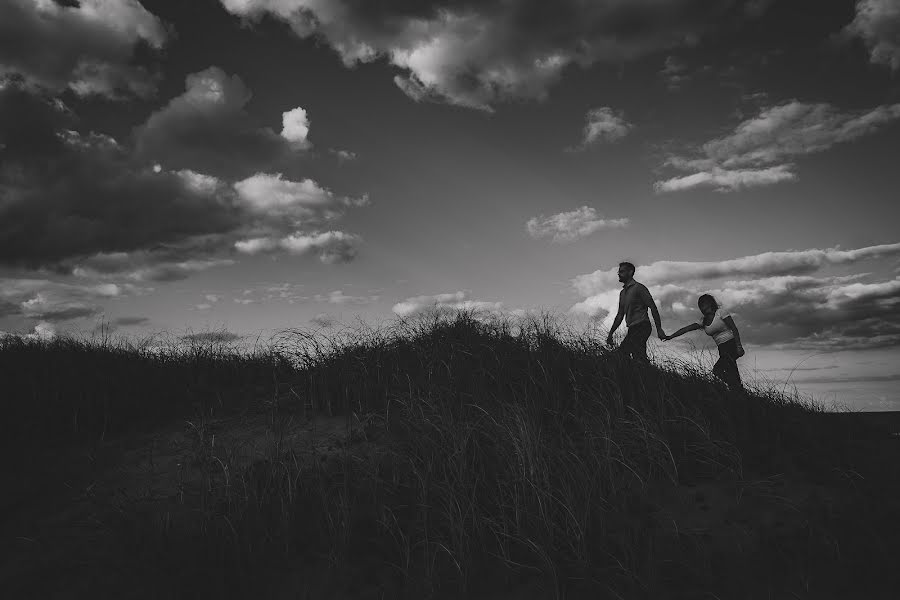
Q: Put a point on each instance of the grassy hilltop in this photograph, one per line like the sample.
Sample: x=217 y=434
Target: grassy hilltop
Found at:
x=448 y=457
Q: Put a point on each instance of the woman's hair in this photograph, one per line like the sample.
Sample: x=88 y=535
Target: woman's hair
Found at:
x=707 y=298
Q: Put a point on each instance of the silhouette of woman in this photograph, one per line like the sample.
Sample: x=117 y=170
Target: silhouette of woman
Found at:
x=718 y=324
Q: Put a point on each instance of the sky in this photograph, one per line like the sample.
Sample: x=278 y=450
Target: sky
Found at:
x=238 y=167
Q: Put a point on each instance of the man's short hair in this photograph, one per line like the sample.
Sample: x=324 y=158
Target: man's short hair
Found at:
x=628 y=265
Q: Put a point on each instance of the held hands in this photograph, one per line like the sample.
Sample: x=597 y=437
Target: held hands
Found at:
x=662 y=335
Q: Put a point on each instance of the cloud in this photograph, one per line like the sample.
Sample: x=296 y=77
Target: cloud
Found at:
x=53 y=302
x=760 y=150
x=338 y=297
x=83 y=204
x=604 y=125
x=569 y=226
x=198 y=182
x=674 y=73
x=331 y=246
x=158 y=264
x=344 y=155
x=42 y=307
x=849 y=379
x=775 y=296
x=295 y=202
x=130 y=321
x=768 y=264
x=456 y=301
x=824 y=313
x=295 y=127
x=43 y=331
x=475 y=54
x=86 y=47
x=282 y=291
x=208 y=129
x=725 y=180
x=877 y=24
x=68 y=194
x=323 y=320
x=211 y=337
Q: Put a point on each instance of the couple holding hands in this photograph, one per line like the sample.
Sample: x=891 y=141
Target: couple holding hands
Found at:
x=635 y=300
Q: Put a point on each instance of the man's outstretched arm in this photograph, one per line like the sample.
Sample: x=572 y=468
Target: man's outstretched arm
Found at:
x=657 y=319
x=618 y=320
x=648 y=300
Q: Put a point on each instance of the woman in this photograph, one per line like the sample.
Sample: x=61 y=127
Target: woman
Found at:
x=719 y=325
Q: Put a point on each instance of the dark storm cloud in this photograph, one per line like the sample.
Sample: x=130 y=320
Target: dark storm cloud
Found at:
x=877 y=24
x=68 y=194
x=51 y=301
x=8 y=308
x=207 y=129
x=478 y=53
x=85 y=46
x=161 y=263
x=83 y=204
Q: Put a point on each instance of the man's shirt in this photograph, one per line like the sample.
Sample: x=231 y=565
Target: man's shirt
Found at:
x=633 y=302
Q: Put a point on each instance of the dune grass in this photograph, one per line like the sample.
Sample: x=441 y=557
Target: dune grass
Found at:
x=489 y=457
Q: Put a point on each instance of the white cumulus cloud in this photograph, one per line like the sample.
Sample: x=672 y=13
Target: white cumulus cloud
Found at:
x=569 y=226
x=761 y=150
x=331 y=246
x=295 y=127
x=604 y=125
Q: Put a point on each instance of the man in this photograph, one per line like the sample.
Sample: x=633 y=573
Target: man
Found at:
x=634 y=300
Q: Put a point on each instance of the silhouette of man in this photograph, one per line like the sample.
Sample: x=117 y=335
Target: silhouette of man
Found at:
x=634 y=300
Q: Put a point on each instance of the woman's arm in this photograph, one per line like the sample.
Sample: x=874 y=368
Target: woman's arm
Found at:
x=737 y=336
x=683 y=330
